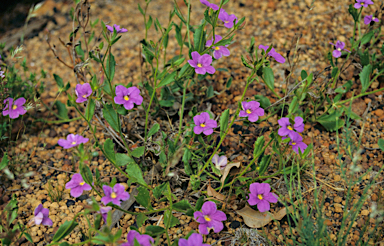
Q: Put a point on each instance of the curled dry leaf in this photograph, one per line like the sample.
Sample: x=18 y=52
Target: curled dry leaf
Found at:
x=227 y=170
x=215 y=194
x=255 y=219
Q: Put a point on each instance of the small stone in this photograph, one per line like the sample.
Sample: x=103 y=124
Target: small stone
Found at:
x=82 y=197
x=374 y=197
x=70 y=203
x=234 y=224
x=365 y=212
x=328 y=222
x=72 y=129
x=378 y=112
x=337 y=178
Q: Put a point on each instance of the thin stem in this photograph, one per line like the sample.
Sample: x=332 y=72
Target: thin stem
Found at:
x=189 y=13
x=361 y=95
x=136 y=213
x=182 y=111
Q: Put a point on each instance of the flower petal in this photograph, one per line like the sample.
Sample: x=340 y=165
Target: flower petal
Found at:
x=209 y=208
x=263 y=206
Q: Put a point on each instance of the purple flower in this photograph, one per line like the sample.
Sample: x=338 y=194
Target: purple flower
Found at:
x=128 y=96
x=339 y=47
x=77 y=185
x=227 y=19
x=14 y=108
x=369 y=18
x=117 y=27
x=202 y=64
x=210 y=5
x=220 y=162
x=194 y=240
x=143 y=240
x=2 y=74
x=82 y=92
x=204 y=124
x=279 y=58
x=210 y=217
x=72 y=141
x=251 y=110
x=297 y=143
x=219 y=51
x=41 y=216
x=362 y=3
x=104 y=212
x=287 y=129
x=114 y=194
x=261 y=196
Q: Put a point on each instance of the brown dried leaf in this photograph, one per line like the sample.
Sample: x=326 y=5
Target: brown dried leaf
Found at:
x=215 y=194
x=227 y=170
x=255 y=219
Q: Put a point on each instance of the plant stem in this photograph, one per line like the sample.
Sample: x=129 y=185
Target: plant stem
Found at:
x=361 y=95
x=136 y=213
x=182 y=111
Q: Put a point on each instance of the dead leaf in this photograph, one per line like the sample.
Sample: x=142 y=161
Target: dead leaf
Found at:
x=256 y=219
x=227 y=170
x=215 y=194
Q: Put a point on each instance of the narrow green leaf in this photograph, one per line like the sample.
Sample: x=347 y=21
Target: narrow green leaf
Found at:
x=89 y=112
x=381 y=144
x=364 y=77
x=4 y=162
x=182 y=206
x=154 y=129
x=62 y=109
x=64 y=230
x=110 y=69
x=135 y=173
x=167 y=80
x=154 y=230
x=140 y=220
x=269 y=79
x=111 y=117
x=143 y=198
x=123 y=159
x=224 y=119
x=109 y=149
x=59 y=81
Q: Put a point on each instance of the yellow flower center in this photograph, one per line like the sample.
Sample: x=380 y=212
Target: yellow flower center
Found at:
x=339 y=49
x=207 y=218
x=373 y=18
x=126 y=98
x=260 y=197
x=113 y=195
x=82 y=183
x=73 y=143
x=226 y=21
x=217 y=48
x=293 y=143
x=84 y=96
x=290 y=128
x=248 y=111
x=14 y=107
x=202 y=125
x=199 y=65
x=362 y=3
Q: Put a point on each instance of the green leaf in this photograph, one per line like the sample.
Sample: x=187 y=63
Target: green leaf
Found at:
x=210 y=91
x=269 y=79
x=353 y=12
x=135 y=173
x=224 y=42
x=168 y=79
x=246 y=63
x=182 y=206
x=138 y=152
x=63 y=111
x=229 y=82
x=364 y=77
x=140 y=9
x=224 y=118
x=140 y=220
x=199 y=203
x=334 y=72
x=178 y=36
x=364 y=57
x=158 y=191
x=111 y=117
x=381 y=144
x=367 y=37
x=28 y=237
x=329 y=120
x=59 y=81
x=110 y=69
x=264 y=101
x=293 y=106
x=154 y=230
x=143 y=198
x=4 y=162
x=304 y=74
x=109 y=149
x=154 y=129
x=86 y=174
x=64 y=230
x=123 y=159
x=149 y=23
x=169 y=219
x=198 y=38
x=89 y=112
x=259 y=145
x=264 y=164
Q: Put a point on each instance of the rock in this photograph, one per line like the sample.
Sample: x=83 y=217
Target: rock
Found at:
x=70 y=203
x=82 y=197
x=234 y=224
x=365 y=212
x=379 y=112
x=337 y=178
